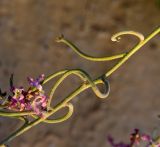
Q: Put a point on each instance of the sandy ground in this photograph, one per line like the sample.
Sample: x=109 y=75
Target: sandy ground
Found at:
x=27 y=48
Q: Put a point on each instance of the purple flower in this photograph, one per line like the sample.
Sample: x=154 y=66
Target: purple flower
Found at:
x=36 y=92
x=17 y=101
x=33 y=99
x=36 y=82
x=39 y=104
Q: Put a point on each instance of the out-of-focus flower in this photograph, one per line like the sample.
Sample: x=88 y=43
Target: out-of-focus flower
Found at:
x=113 y=144
x=136 y=138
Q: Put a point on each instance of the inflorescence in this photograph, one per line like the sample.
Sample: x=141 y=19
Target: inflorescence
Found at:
x=32 y=99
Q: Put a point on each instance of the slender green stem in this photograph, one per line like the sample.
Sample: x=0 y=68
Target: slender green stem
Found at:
x=53 y=76
x=54 y=110
x=13 y=135
x=64 y=118
x=86 y=78
x=83 y=55
x=76 y=72
x=12 y=114
x=90 y=83
x=134 y=50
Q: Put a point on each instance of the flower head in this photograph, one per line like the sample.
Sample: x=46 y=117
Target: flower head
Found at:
x=33 y=99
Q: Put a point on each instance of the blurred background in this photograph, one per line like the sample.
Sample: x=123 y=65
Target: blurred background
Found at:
x=28 y=29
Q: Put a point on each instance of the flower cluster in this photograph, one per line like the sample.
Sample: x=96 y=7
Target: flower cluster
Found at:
x=33 y=99
x=136 y=138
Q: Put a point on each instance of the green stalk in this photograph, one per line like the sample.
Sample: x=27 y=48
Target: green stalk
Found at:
x=84 y=86
x=12 y=114
x=134 y=50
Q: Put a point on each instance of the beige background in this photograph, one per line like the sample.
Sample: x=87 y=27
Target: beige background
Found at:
x=27 y=48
